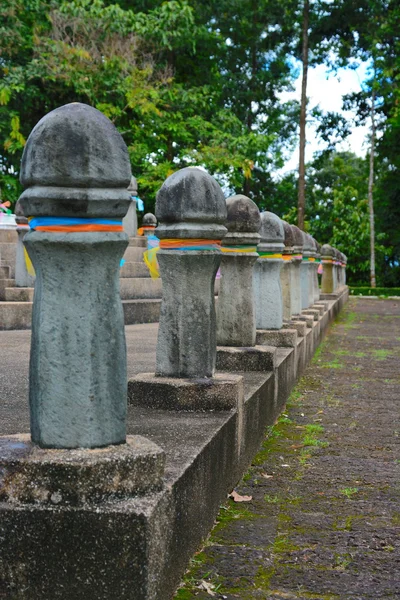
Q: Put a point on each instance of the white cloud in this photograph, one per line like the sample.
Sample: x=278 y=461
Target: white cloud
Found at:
x=326 y=90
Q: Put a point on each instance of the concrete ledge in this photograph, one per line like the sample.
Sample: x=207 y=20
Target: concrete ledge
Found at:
x=139 y=548
x=253 y=358
x=222 y=392
x=299 y=326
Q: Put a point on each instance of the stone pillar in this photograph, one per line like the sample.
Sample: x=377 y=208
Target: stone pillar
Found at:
x=286 y=272
x=327 y=257
x=130 y=220
x=76 y=169
x=267 y=283
x=316 y=267
x=344 y=269
x=295 y=269
x=311 y=269
x=149 y=224
x=305 y=271
x=236 y=322
x=191 y=212
x=22 y=277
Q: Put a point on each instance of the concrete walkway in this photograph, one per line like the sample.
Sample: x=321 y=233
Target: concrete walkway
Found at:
x=324 y=519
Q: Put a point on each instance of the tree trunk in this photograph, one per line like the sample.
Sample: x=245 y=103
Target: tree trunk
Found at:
x=303 y=118
x=370 y=192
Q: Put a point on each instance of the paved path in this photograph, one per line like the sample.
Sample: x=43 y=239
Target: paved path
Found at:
x=324 y=519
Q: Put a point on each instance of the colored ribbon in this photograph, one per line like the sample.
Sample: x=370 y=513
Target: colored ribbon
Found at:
x=239 y=249
x=269 y=255
x=28 y=264
x=141 y=230
x=74 y=224
x=188 y=244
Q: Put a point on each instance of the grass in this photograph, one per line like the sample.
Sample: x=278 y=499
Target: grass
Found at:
x=381 y=354
x=349 y=492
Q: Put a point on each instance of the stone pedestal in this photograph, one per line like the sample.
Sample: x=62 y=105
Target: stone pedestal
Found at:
x=219 y=393
x=59 y=477
x=295 y=270
x=299 y=326
x=254 y=358
x=284 y=338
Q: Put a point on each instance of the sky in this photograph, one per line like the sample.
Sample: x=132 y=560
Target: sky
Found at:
x=326 y=89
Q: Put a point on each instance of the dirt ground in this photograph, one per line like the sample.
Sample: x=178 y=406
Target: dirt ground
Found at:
x=324 y=518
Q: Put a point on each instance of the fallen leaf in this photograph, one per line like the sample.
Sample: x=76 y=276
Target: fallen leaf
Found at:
x=238 y=498
x=208 y=587
x=266 y=476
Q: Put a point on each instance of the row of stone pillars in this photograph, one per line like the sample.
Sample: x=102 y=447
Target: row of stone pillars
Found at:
x=76 y=170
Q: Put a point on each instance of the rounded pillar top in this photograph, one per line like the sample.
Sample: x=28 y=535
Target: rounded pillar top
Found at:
x=149 y=220
x=243 y=221
x=191 y=204
x=327 y=252
x=308 y=245
x=298 y=240
x=133 y=187
x=289 y=237
x=75 y=163
x=272 y=233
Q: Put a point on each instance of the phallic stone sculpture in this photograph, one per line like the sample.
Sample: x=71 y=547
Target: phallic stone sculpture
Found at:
x=191 y=214
x=268 y=291
x=327 y=257
x=236 y=319
x=236 y=323
x=23 y=278
x=295 y=270
x=286 y=272
x=129 y=222
x=75 y=170
x=149 y=224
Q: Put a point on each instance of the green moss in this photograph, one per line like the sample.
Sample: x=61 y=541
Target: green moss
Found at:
x=263 y=578
x=381 y=354
x=334 y=364
x=282 y=544
x=271 y=499
x=310 y=440
x=314 y=428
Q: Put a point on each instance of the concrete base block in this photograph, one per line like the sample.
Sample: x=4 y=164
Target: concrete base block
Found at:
x=284 y=338
x=299 y=326
x=308 y=320
x=321 y=308
x=74 y=477
x=5 y=284
x=312 y=313
x=19 y=294
x=254 y=358
x=222 y=392
x=15 y=315
x=319 y=304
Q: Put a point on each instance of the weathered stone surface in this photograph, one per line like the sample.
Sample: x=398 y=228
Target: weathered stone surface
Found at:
x=299 y=326
x=190 y=204
x=254 y=358
x=285 y=338
x=236 y=322
x=78 y=378
x=221 y=392
x=267 y=283
x=327 y=257
x=295 y=267
x=73 y=477
x=286 y=272
x=75 y=163
x=130 y=219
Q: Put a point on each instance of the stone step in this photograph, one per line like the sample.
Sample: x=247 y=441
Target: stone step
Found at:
x=134 y=269
x=18 y=315
x=15 y=315
x=5 y=283
x=19 y=294
x=8 y=236
x=141 y=311
x=134 y=254
x=140 y=287
x=139 y=241
x=8 y=253
x=5 y=272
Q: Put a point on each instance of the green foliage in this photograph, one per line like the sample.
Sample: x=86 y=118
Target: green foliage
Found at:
x=378 y=291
